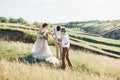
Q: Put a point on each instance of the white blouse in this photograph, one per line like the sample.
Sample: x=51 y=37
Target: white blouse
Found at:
x=65 y=40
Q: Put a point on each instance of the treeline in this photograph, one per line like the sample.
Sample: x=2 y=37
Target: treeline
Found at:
x=19 y=21
x=91 y=23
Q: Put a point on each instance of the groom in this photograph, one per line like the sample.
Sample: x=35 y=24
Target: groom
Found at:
x=65 y=47
x=57 y=33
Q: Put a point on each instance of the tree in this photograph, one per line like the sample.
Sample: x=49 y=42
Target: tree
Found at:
x=3 y=19
x=21 y=21
x=37 y=24
x=12 y=20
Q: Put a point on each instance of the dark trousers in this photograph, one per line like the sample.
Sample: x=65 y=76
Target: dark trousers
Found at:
x=65 y=55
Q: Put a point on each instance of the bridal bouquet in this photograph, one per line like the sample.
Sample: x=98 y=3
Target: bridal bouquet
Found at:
x=43 y=34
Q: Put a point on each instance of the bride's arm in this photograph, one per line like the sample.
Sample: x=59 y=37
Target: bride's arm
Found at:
x=52 y=36
x=48 y=33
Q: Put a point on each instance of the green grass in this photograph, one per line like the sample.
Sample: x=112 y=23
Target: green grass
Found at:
x=94 y=43
x=93 y=49
x=95 y=39
x=86 y=66
x=12 y=25
x=99 y=46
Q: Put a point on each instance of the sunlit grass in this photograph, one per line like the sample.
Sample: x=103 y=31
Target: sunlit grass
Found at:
x=98 y=39
x=86 y=66
x=100 y=46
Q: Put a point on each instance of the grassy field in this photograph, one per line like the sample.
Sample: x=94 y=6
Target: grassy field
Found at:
x=16 y=63
x=98 y=39
x=90 y=42
x=12 y=25
x=97 y=44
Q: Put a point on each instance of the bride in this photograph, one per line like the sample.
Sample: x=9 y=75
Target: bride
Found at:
x=41 y=49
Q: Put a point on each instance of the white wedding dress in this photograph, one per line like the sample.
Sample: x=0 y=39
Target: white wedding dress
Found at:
x=41 y=49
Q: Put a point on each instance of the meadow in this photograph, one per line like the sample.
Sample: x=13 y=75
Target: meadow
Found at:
x=93 y=56
x=97 y=44
x=16 y=63
x=90 y=42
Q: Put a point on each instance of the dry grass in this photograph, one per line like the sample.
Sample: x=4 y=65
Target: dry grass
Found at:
x=20 y=71
x=86 y=66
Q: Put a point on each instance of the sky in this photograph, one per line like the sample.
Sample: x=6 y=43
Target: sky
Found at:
x=56 y=11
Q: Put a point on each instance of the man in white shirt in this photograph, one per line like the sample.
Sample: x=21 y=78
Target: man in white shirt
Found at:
x=58 y=37
x=65 y=49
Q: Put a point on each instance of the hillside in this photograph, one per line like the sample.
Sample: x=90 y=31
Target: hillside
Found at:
x=109 y=29
x=79 y=40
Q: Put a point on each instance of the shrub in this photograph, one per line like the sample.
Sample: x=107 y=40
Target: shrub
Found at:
x=21 y=21
x=37 y=24
x=29 y=36
x=50 y=41
x=3 y=19
x=12 y=20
